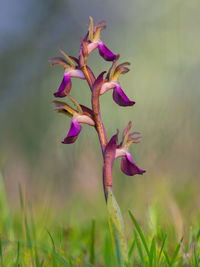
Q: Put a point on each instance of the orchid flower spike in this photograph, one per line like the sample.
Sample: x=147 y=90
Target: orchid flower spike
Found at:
x=94 y=41
x=70 y=70
x=82 y=115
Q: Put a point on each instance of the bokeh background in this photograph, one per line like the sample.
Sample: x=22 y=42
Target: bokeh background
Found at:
x=161 y=40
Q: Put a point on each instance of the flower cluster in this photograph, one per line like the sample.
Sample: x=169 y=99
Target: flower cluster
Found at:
x=78 y=68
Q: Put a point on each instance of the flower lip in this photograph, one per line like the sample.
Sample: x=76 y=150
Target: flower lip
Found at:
x=129 y=167
x=105 y=53
x=118 y=94
x=65 y=86
x=120 y=98
x=75 y=127
x=74 y=131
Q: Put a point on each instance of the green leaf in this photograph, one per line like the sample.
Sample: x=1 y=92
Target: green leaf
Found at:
x=162 y=247
x=108 y=252
x=1 y=253
x=176 y=252
x=53 y=253
x=117 y=229
x=140 y=233
x=5 y=217
x=152 y=252
x=92 y=247
x=195 y=256
x=18 y=253
x=167 y=258
x=130 y=252
x=139 y=247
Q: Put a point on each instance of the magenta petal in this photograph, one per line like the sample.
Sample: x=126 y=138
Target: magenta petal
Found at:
x=120 y=98
x=129 y=167
x=64 y=87
x=74 y=131
x=105 y=52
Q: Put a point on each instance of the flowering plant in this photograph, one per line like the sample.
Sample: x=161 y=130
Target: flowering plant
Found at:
x=78 y=68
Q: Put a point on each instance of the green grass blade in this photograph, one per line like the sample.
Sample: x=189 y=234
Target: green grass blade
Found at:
x=33 y=228
x=54 y=253
x=175 y=255
x=198 y=235
x=92 y=244
x=140 y=233
x=167 y=258
x=5 y=218
x=25 y=223
x=130 y=252
x=61 y=238
x=139 y=247
x=18 y=254
x=41 y=263
x=195 y=256
x=152 y=252
x=70 y=262
x=162 y=247
x=52 y=241
x=1 y=253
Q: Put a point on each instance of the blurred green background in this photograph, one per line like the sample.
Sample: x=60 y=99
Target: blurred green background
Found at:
x=161 y=40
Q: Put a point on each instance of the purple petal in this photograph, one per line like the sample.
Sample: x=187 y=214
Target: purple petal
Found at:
x=105 y=52
x=65 y=86
x=74 y=131
x=129 y=167
x=120 y=98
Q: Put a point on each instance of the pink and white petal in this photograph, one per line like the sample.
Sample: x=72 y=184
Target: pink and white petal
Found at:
x=91 y=47
x=120 y=98
x=105 y=53
x=85 y=119
x=107 y=86
x=65 y=86
x=76 y=74
x=129 y=167
x=74 y=131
